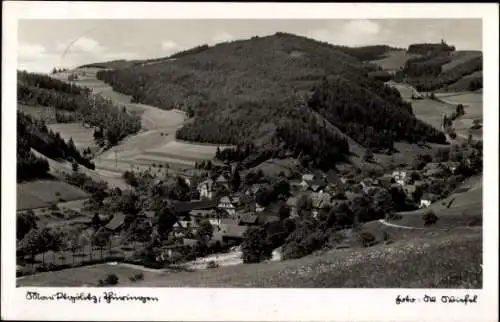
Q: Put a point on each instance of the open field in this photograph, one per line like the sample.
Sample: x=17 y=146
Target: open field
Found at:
x=446 y=259
x=394 y=60
x=82 y=136
x=57 y=168
x=467 y=199
x=187 y=150
x=432 y=111
x=42 y=193
x=406 y=90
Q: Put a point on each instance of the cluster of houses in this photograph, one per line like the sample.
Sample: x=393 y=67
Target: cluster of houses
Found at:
x=231 y=215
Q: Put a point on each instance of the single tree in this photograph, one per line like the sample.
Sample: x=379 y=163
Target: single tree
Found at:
x=205 y=231
x=235 y=181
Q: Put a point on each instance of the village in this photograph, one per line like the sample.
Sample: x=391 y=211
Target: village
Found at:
x=231 y=212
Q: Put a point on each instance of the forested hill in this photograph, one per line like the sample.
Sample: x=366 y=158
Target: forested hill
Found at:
x=260 y=89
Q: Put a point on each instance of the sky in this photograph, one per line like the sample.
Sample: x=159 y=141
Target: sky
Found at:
x=44 y=44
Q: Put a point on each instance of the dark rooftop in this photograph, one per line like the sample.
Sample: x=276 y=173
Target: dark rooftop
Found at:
x=248 y=219
x=181 y=207
x=116 y=221
x=233 y=231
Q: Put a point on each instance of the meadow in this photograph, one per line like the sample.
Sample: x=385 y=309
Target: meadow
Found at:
x=432 y=111
x=43 y=193
x=394 y=60
x=460 y=57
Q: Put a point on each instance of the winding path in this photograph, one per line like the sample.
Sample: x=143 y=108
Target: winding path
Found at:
x=383 y=222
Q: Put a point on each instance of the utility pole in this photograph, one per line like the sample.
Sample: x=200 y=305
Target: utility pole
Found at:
x=116 y=160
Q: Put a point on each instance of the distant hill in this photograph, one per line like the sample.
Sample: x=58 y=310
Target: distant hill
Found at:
x=436 y=67
x=259 y=91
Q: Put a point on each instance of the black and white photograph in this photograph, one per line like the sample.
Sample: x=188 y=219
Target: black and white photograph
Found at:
x=340 y=153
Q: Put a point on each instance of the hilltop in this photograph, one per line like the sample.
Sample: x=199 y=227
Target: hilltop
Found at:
x=275 y=93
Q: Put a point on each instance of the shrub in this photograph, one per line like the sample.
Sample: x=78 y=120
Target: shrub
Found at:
x=136 y=277
x=305 y=239
x=367 y=239
x=212 y=264
x=111 y=279
x=429 y=218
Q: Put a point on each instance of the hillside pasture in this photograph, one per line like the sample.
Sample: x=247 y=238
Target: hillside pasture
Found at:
x=461 y=208
x=179 y=153
x=432 y=111
x=83 y=137
x=460 y=57
x=58 y=168
x=42 y=193
x=476 y=74
x=394 y=60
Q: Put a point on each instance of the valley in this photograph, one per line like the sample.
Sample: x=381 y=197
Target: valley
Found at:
x=269 y=162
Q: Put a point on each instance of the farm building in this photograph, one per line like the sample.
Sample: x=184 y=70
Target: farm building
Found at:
x=248 y=219
x=206 y=189
x=232 y=233
x=259 y=208
x=202 y=213
x=223 y=181
x=320 y=200
x=308 y=177
x=427 y=199
x=186 y=207
x=399 y=177
x=226 y=203
x=116 y=222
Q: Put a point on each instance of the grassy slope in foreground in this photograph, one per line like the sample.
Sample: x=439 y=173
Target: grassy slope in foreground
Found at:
x=447 y=261
x=430 y=260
